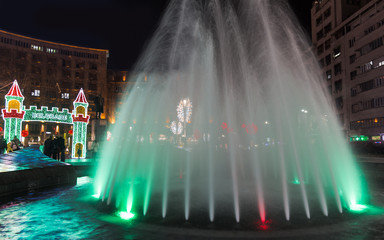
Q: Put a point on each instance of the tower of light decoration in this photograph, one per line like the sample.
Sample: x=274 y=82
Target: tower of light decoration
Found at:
x=80 y=119
x=13 y=113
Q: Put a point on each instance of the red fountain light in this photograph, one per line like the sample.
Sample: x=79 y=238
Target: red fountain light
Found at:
x=263 y=225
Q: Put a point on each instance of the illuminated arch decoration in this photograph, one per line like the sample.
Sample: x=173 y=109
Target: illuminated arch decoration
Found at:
x=14 y=113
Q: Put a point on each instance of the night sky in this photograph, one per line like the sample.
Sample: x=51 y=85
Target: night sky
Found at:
x=122 y=26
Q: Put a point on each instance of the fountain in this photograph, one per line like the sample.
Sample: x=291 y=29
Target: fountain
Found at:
x=261 y=140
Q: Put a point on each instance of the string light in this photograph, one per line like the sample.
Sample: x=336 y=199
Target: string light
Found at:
x=177 y=128
x=80 y=121
x=184 y=110
x=13 y=114
x=184 y=113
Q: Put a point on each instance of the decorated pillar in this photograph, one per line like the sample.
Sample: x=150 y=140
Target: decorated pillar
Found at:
x=13 y=113
x=80 y=119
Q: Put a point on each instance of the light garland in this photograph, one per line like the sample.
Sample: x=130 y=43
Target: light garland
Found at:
x=184 y=110
x=184 y=113
x=80 y=121
x=13 y=113
x=180 y=112
x=177 y=128
x=12 y=128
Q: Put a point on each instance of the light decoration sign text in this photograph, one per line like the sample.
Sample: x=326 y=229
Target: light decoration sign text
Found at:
x=43 y=114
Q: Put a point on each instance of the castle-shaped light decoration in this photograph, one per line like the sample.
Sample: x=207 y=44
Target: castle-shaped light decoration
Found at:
x=80 y=119
x=13 y=113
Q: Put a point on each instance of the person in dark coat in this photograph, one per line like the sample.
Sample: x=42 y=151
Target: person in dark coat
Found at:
x=48 y=146
x=55 y=149
x=61 y=148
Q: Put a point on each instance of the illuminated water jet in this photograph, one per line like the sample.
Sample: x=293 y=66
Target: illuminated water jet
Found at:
x=262 y=138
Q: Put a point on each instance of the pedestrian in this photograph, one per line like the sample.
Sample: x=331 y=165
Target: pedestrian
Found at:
x=61 y=148
x=55 y=149
x=3 y=144
x=48 y=146
x=79 y=153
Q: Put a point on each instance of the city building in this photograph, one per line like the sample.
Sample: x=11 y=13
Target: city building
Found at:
x=120 y=84
x=118 y=80
x=347 y=37
x=51 y=74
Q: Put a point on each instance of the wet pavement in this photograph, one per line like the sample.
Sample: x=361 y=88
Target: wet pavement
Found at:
x=27 y=158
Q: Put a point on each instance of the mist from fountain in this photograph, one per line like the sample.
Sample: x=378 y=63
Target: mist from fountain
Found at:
x=259 y=134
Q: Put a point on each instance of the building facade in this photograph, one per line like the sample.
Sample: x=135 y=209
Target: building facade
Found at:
x=51 y=74
x=347 y=37
x=120 y=84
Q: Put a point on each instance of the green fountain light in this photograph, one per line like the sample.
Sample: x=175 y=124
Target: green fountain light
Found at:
x=296 y=182
x=355 y=207
x=97 y=195
x=125 y=215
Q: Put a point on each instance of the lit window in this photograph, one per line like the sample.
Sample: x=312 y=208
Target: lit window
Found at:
x=37 y=48
x=51 y=50
x=65 y=95
x=36 y=93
